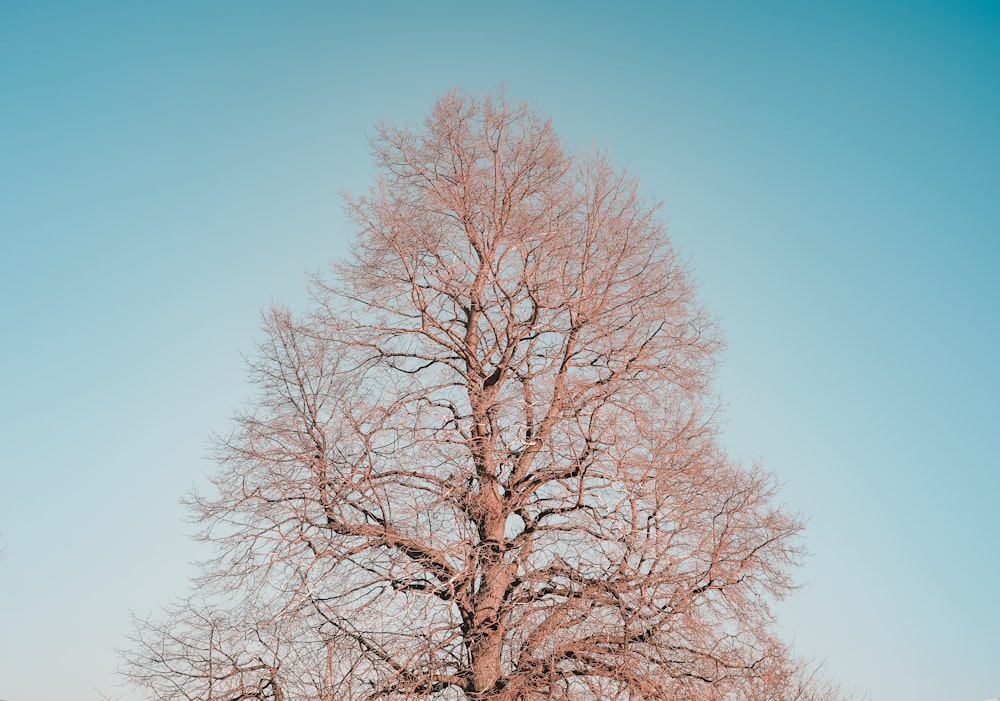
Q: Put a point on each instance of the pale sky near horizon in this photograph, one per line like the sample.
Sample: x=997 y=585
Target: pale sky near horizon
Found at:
x=831 y=173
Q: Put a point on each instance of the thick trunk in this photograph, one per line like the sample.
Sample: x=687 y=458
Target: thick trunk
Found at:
x=486 y=631
x=485 y=654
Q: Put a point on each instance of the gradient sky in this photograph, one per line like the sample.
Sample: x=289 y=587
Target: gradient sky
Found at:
x=830 y=171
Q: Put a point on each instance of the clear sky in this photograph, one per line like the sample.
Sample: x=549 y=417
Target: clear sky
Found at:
x=831 y=171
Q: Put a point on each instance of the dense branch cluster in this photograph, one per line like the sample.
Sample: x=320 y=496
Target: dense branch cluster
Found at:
x=484 y=466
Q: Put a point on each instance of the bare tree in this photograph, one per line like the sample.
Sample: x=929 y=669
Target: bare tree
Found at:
x=485 y=465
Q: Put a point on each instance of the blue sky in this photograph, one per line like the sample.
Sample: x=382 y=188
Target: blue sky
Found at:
x=830 y=172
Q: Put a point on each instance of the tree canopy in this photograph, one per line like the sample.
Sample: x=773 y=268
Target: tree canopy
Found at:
x=485 y=464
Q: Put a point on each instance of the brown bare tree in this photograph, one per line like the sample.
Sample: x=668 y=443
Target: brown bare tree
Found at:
x=485 y=465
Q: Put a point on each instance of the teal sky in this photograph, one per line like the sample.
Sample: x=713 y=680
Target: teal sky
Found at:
x=831 y=171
